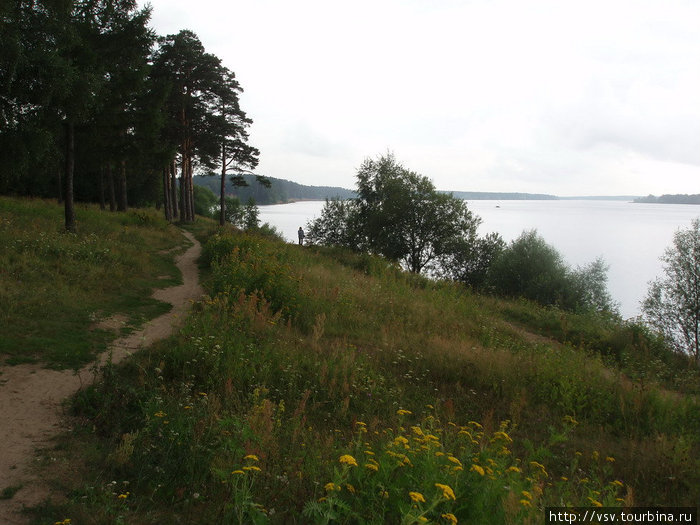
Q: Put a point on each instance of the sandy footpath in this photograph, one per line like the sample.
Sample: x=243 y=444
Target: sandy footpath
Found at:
x=31 y=396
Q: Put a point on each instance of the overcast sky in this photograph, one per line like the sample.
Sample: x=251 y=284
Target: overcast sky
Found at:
x=594 y=97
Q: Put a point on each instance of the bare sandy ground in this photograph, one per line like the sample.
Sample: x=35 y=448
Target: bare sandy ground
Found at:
x=31 y=396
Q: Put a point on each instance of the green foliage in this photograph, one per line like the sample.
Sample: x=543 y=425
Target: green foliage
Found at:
x=338 y=225
x=234 y=212
x=531 y=268
x=251 y=215
x=90 y=107
x=204 y=201
x=76 y=280
x=672 y=304
x=405 y=219
x=280 y=191
x=398 y=214
x=471 y=262
x=295 y=378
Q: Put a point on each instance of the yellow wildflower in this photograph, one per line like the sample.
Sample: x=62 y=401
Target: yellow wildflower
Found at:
x=417 y=430
x=451 y=518
x=616 y=483
x=525 y=503
x=400 y=440
x=570 y=419
x=402 y=412
x=350 y=488
x=330 y=487
x=610 y=459
x=454 y=460
x=595 y=455
x=502 y=435
x=347 y=459
x=539 y=466
x=372 y=467
x=160 y=413
x=123 y=496
x=239 y=472
x=416 y=497
x=513 y=469
x=369 y=452
x=253 y=467
x=526 y=494
x=384 y=494
x=475 y=424
x=447 y=491
x=252 y=457
x=476 y=468
x=594 y=502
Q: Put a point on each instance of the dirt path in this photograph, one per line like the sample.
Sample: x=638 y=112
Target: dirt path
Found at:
x=30 y=396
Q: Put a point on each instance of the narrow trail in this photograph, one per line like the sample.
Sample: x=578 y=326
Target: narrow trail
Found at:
x=31 y=396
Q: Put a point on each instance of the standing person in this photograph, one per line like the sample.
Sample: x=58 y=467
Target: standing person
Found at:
x=301 y=236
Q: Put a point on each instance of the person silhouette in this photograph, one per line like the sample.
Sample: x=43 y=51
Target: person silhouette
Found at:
x=301 y=236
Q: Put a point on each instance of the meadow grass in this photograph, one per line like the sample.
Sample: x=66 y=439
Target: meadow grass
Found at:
x=55 y=287
x=317 y=386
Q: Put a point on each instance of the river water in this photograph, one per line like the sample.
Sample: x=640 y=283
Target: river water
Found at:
x=629 y=237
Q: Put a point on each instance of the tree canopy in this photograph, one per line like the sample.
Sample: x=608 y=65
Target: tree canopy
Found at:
x=672 y=303
x=398 y=214
x=529 y=267
x=94 y=105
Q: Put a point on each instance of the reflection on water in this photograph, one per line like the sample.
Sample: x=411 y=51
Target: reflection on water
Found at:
x=629 y=237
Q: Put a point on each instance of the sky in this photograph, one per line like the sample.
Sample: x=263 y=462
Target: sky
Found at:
x=566 y=97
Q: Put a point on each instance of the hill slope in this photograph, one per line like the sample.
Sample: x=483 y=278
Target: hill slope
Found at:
x=315 y=383
x=281 y=191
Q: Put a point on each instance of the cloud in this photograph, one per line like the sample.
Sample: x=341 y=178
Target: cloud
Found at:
x=502 y=95
x=301 y=138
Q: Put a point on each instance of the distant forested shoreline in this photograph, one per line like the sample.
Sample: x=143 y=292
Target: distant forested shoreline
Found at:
x=283 y=191
x=280 y=191
x=670 y=199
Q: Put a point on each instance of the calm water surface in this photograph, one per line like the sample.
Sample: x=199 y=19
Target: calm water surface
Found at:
x=629 y=237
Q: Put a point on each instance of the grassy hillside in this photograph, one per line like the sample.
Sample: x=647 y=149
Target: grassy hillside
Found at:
x=317 y=386
x=56 y=287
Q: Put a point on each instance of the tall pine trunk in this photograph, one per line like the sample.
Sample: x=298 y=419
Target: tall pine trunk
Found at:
x=173 y=189
x=110 y=185
x=183 y=184
x=222 y=200
x=102 y=188
x=122 y=205
x=60 y=186
x=166 y=195
x=70 y=168
x=190 y=190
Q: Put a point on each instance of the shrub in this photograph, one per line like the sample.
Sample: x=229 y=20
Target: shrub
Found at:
x=532 y=269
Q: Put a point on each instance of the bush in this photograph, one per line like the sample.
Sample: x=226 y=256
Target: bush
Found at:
x=204 y=201
x=532 y=269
